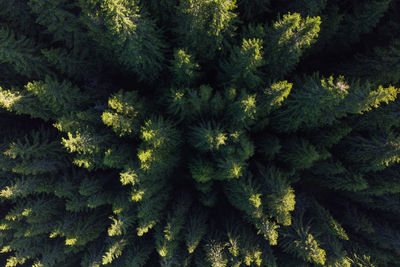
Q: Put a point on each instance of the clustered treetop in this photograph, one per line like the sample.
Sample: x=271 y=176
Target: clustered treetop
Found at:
x=199 y=133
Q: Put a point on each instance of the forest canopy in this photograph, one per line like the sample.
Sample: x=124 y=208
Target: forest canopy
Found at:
x=199 y=133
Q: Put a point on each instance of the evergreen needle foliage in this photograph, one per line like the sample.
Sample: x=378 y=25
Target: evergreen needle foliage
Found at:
x=199 y=133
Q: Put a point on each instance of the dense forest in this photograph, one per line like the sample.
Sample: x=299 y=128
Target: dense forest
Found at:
x=200 y=133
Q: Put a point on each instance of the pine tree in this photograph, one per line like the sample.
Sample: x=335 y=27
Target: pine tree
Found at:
x=365 y=17
x=254 y=10
x=122 y=29
x=21 y=53
x=328 y=100
x=199 y=133
x=384 y=146
x=123 y=114
x=33 y=154
x=382 y=66
x=60 y=20
x=308 y=8
x=285 y=41
x=301 y=242
x=17 y=16
x=242 y=67
x=48 y=99
x=202 y=25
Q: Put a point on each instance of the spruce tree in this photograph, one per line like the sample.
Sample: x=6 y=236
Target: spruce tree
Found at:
x=199 y=133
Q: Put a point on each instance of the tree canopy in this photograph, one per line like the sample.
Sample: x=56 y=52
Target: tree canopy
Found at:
x=199 y=133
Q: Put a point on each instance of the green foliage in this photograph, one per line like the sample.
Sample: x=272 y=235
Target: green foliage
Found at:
x=199 y=133
x=114 y=250
x=48 y=99
x=269 y=146
x=183 y=68
x=280 y=198
x=316 y=102
x=67 y=62
x=167 y=240
x=32 y=154
x=82 y=144
x=203 y=23
x=190 y=104
x=251 y=10
x=298 y=240
x=13 y=100
x=215 y=255
x=300 y=154
x=276 y=93
x=195 y=230
x=365 y=17
x=321 y=102
x=286 y=39
x=60 y=20
x=310 y=8
x=382 y=66
x=121 y=28
x=123 y=115
x=241 y=69
x=16 y=15
x=160 y=139
x=373 y=154
x=208 y=137
x=21 y=53
x=60 y=97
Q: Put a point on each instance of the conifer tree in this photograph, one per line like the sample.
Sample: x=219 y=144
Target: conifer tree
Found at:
x=382 y=66
x=199 y=133
x=243 y=64
x=285 y=41
x=366 y=15
x=21 y=53
x=202 y=25
x=122 y=29
x=254 y=10
x=328 y=100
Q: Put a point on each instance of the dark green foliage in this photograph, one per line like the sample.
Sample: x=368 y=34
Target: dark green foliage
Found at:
x=202 y=25
x=46 y=99
x=184 y=69
x=323 y=101
x=286 y=39
x=374 y=154
x=33 y=154
x=21 y=53
x=122 y=29
x=69 y=63
x=17 y=15
x=383 y=66
x=365 y=16
x=242 y=66
x=298 y=240
x=299 y=154
x=199 y=133
x=122 y=116
x=254 y=10
x=308 y=8
x=59 y=18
